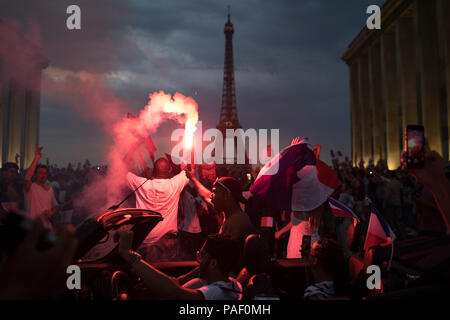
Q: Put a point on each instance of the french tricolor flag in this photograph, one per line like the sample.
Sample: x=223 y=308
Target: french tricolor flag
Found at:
x=378 y=232
x=341 y=210
x=295 y=180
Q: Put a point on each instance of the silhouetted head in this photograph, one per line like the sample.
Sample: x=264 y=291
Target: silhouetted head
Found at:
x=327 y=255
x=256 y=254
x=226 y=193
x=219 y=255
x=9 y=171
x=162 y=168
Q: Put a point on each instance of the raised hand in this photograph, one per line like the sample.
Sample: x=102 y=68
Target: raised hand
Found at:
x=431 y=173
x=432 y=176
x=295 y=141
x=316 y=149
x=39 y=152
x=125 y=239
x=190 y=171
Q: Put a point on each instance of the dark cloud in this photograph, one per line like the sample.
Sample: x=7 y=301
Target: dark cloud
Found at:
x=289 y=74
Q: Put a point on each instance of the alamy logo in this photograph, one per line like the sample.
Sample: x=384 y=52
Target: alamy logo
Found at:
x=374 y=21
x=374 y=280
x=73 y=22
x=231 y=149
x=74 y=280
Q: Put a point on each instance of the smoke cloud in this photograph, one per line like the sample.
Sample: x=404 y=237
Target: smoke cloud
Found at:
x=91 y=96
x=21 y=55
x=89 y=91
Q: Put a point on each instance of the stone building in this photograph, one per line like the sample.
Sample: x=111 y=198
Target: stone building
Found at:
x=21 y=64
x=400 y=75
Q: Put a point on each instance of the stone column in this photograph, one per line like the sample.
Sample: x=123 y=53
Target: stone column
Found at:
x=425 y=13
x=406 y=59
x=366 y=114
x=391 y=100
x=32 y=114
x=444 y=14
x=355 y=113
x=2 y=106
x=15 y=121
x=376 y=102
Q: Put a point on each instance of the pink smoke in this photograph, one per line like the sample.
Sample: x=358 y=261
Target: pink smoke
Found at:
x=21 y=55
x=110 y=189
x=88 y=93
x=91 y=95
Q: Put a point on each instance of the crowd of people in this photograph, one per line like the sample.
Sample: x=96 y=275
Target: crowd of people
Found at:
x=395 y=193
x=66 y=185
x=208 y=213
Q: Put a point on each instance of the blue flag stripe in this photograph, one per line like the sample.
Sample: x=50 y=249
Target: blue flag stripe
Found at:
x=343 y=207
x=383 y=222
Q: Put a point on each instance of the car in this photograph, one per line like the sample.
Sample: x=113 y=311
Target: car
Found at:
x=104 y=275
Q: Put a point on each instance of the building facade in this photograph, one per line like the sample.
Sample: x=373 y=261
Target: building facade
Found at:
x=21 y=64
x=400 y=75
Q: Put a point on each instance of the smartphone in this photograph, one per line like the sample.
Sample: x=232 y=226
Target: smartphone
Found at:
x=415 y=146
x=306 y=246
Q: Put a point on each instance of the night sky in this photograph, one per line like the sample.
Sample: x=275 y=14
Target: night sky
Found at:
x=287 y=54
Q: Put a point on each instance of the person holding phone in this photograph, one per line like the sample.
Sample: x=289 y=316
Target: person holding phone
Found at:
x=433 y=177
x=415 y=146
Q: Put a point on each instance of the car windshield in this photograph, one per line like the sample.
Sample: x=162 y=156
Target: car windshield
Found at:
x=96 y=235
x=106 y=245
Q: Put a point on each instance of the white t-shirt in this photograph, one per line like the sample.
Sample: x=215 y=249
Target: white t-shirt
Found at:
x=219 y=290
x=299 y=229
x=162 y=196
x=38 y=199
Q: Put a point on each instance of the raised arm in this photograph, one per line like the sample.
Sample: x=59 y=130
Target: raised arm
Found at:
x=157 y=282
x=433 y=178
x=201 y=189
x=283 y=230
x=32 y=168
x=194 y=273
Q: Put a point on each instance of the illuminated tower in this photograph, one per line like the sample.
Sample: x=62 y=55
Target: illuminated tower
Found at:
x=228 y=113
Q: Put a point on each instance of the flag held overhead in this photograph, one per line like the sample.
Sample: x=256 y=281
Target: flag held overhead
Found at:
x=295 y=180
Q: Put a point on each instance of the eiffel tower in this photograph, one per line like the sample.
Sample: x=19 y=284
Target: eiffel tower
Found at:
x=228 y=114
